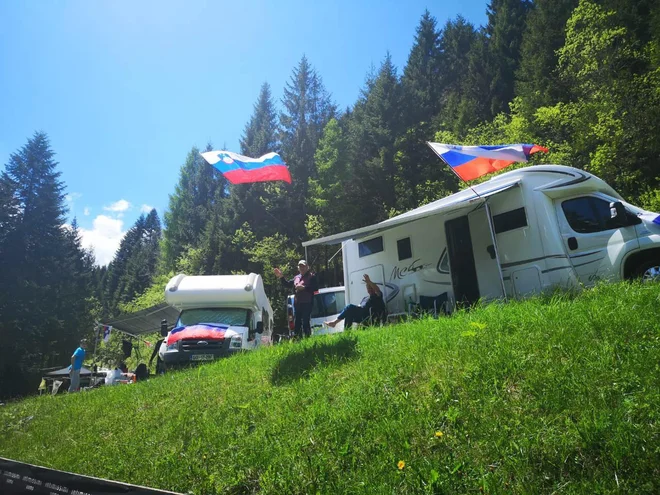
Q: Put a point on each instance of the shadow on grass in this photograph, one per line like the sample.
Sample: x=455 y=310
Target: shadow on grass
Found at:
x=301 y=362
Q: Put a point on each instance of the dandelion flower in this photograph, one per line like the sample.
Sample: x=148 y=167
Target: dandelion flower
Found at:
x=401 y=465
x=438 y=434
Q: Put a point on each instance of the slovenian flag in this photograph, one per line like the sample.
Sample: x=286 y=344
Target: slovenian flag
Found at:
x=239 y=169
x=471 y=162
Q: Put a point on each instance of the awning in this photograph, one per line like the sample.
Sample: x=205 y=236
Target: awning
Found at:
x=462 y=199
x=65 y=372
x=145 y=321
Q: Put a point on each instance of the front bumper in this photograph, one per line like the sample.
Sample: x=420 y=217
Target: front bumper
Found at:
x=196 y=351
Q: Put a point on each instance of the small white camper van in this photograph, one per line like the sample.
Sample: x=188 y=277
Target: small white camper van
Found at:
x=219 y=315
x=327 y=304
x=517 y=234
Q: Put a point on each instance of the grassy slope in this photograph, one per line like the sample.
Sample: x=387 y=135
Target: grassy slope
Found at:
x=546 y=396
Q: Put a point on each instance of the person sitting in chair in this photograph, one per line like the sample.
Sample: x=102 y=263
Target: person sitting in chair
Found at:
x=372 y=308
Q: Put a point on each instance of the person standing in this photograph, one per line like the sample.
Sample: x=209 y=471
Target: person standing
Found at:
x=304 y=285
x=76 y=364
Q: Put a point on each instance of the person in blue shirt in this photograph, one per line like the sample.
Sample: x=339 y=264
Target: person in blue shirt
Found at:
x=76 y=364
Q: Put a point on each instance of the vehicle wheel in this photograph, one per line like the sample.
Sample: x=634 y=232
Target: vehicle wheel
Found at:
x=649 y=271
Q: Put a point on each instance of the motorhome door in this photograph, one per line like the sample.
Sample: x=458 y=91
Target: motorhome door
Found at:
x=461 y=261
x=595 y=243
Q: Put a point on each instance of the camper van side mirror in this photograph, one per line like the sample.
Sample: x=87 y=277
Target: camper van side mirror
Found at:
x=163 y=328
x=620 y=217
x=260 y=327
x=617 y=211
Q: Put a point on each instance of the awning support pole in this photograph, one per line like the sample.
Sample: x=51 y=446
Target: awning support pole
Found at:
x=338 y=251
x=497 y=253
x=96 y=341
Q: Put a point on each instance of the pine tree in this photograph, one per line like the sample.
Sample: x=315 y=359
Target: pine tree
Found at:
x=8 y=213
x=44 y=270
x=457 y=40
x=473 y=105
x=374 y=127
x=119 y=269
x=537 y=79
x=331 y=195
x=259 y=137
x=260 y=134
x=421 y=76
x=135 y=264
x=74 y=287
x=307 y=109
x=190 y=207
x=506 y=24
x=437 y=69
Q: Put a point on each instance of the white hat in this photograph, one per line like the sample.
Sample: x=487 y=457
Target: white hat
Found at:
x=302 y=262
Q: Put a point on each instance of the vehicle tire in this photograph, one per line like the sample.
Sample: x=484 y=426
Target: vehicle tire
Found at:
x=649 y=271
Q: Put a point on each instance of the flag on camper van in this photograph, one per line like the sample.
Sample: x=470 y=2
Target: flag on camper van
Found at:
x=471 y=162
x=239 y=169
x=200 y=331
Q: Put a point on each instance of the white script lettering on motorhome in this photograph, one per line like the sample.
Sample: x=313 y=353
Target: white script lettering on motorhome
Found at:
x=399 y=273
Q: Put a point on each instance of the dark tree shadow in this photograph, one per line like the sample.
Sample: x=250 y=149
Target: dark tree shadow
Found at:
x=300 y=363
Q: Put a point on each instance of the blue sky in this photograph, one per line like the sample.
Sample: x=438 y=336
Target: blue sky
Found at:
x=124 y=89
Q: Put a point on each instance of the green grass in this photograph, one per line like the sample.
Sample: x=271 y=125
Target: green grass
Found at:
x=553 y=395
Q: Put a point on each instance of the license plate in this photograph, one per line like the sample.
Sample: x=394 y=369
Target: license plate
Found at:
x=202 y=357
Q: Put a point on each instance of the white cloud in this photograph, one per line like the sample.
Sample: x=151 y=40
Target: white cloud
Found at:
x=86 y=211
x=146 y=208
x=104 y=238
x=118 y=206
x=70 y=198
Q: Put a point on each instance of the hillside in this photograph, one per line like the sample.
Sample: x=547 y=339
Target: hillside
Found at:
x=553 y=395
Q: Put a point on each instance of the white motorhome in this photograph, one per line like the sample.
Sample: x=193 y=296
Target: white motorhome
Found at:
x=517 y=234
x=219 y=315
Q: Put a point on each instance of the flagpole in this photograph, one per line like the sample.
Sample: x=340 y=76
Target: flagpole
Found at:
x=96 y=341
x=497 y=251
x=490 y=222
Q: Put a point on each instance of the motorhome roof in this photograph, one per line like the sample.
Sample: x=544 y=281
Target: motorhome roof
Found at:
x=467 y=197
x=215 y=282
x=325 y=290
x=185 y=292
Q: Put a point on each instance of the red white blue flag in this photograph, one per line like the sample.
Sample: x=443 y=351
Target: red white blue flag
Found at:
x=239 y=169
x=200 y=331
x=471 y=162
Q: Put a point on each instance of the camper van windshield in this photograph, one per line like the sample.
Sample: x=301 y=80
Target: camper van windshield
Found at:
x=229 y=316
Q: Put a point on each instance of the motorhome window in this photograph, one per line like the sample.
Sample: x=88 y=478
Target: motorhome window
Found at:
x=443 y=262
x=589 y=214
x=372 y=246
x=404 y=249
x=510 y=220
x=580 y=216
x=226 y=316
